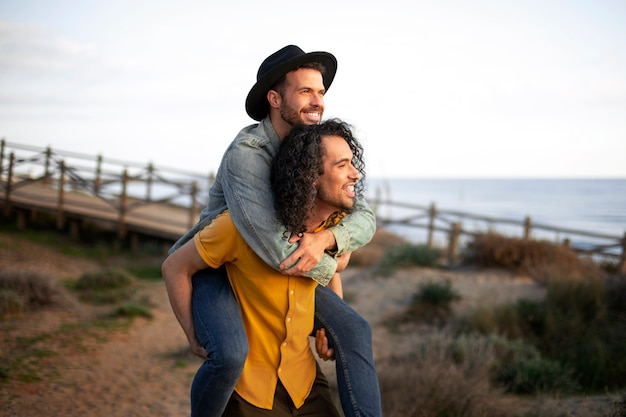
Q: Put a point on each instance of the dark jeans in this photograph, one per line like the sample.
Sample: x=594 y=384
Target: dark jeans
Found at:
x=220 y=330
x=319 y=403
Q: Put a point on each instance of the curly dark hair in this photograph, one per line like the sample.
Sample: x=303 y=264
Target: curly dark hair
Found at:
x=298 y=165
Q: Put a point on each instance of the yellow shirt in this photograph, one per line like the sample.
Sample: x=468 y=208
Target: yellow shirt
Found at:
x=277 y=312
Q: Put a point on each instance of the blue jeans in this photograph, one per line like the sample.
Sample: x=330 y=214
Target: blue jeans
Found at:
x=220 y=330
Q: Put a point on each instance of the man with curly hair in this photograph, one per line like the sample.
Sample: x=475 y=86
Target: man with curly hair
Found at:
x=316 y=177
x=289 y=91
x=309 y=158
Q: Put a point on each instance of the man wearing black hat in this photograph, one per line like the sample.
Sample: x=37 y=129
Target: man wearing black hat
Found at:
x=289 y=91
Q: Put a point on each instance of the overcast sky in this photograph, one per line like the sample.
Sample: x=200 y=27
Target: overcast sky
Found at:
x=446 y=88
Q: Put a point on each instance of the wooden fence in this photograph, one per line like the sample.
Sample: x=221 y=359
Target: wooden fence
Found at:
x=452 y=226
x=164 y=202
x=129 y=197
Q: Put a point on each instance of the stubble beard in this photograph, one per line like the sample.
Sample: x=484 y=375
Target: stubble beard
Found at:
x=291 y=116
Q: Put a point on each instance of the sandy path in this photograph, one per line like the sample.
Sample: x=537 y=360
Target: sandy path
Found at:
x=132 y=373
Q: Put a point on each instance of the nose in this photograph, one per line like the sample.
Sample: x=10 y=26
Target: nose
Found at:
x=355 y=174
x=317 y=100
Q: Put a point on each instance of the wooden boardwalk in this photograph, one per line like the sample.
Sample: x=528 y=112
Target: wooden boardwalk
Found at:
x=156 y=219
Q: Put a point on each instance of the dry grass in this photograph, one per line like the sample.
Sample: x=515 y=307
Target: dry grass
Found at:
x=27 y=290
x=542 y=260
x=433 y=381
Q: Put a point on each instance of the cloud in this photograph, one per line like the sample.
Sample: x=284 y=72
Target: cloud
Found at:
x=32 y=51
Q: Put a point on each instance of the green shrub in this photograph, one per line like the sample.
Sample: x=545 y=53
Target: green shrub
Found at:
x=437 y=293
x=133 y=310
x=585 y=328
x=105 y=279
x=522 y=319
x=580 y=326
x=432 y=302
x=407 y=254
x=146 y=272
x=535 y=375
x=106 y=286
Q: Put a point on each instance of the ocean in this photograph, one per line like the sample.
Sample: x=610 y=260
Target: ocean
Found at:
x=591 y=205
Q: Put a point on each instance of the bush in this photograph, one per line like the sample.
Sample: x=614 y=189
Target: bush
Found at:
x=406 y=254
x=444 y=376
x=432 y=302
x=523 y=319
x=536 y=375
x=106 y=286
x=525 y=371
x=105 y=279
x=131 y=310
x=152 y=272
x=580 y=326
x=585 y=329
x=437 y=293
x=23 y=290
x=542 y=260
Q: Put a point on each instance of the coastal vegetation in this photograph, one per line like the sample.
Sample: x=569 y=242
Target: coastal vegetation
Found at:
x=569 y=343
x=523 y=358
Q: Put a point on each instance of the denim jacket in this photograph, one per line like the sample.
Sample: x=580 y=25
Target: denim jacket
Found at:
x=242 y=185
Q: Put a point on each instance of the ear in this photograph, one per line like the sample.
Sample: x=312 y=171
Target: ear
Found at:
x=274 y=99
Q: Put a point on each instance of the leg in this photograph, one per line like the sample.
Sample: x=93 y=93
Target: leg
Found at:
x=351 y=337
x=220 y=330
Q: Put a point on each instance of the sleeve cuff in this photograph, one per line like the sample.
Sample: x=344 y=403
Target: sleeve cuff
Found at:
x=342 y=238
x=324 y=271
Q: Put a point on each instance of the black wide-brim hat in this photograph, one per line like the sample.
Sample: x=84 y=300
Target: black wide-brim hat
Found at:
x=278 y=64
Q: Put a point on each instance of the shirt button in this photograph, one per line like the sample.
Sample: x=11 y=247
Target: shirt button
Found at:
x=291 y=292
x=284 y=343
x=288 y=319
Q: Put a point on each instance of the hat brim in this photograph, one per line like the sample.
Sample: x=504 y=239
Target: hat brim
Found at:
x=256 y=102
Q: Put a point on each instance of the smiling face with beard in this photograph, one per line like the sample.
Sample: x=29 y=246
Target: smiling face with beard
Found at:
x=299 y=101
x=335 y=187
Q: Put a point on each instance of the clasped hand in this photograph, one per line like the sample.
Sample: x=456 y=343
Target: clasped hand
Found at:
x=311 y=247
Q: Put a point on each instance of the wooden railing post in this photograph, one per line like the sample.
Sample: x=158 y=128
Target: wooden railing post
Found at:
x=47 y=165
x=432 y=213
x=61 y=199
x=7 y=190
x=527 y=227
x=453 y=243
x=97 y=181
x=2 y=145
x=193 y=212
x=149 y=182
x=121 y=230
x=622 y=268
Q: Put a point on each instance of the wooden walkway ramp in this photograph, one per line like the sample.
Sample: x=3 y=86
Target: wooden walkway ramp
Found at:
x=156 y=219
